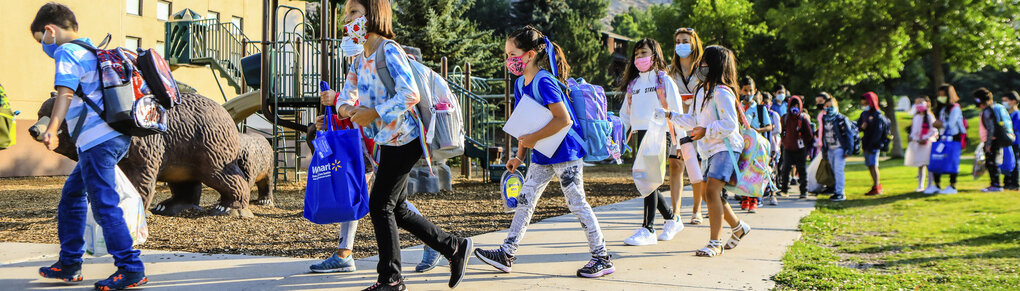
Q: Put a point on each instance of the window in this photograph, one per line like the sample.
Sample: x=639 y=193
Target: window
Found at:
x=132 y=43
x=213 y=15
x=159 y=48
x=163 y=9
x=134 y=7
x=239 y=23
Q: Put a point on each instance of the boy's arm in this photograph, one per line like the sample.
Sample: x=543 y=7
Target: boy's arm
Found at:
x=60 y=105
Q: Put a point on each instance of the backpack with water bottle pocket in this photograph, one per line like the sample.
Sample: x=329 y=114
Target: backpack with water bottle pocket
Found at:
x=589 y=104
x=130 y=101
x=438 y=110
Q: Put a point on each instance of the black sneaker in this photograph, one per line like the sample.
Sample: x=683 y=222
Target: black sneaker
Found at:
x=68 y=273
x=837 y=197
x=597 y=267
x=803 y=195
x=459 y=261
x=396 y=286
x=122 y=279
x=496 y=258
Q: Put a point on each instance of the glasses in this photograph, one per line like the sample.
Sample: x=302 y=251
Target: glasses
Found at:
x=685 y=29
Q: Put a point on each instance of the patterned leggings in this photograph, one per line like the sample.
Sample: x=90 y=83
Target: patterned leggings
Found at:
x=572 y=184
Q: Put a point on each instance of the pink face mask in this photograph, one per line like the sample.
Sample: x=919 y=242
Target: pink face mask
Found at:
x=643 y=64
x=922 y=108
x=516 y=65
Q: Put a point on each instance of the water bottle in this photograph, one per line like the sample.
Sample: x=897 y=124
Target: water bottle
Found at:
x=444 y=125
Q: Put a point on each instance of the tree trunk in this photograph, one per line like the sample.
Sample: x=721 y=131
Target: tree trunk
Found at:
x=937 y=59
x=896 y=148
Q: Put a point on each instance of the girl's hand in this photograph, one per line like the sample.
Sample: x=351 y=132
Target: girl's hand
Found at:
x=320 y=123
x=327 y=98
x=697 y=133
x=364 y=116
x=527 y=141
x=513 y=163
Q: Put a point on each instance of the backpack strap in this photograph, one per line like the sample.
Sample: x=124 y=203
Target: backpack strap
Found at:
x=81 y=92
x=536 y=95
x=726 y=140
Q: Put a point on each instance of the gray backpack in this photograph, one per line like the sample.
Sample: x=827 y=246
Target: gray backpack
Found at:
x=438 y=110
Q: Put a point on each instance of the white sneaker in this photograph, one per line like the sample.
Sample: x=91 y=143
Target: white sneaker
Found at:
x=920 y=190
x=671 y=228
x=641 y=237
x=932 y=189
x=948 y=190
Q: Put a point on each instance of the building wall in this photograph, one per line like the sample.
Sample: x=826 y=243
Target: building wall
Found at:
x=27 y=73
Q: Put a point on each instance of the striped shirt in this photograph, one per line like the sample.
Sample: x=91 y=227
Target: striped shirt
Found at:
x=77 y=66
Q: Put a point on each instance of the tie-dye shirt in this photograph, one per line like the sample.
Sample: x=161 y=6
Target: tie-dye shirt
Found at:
x=396 y=125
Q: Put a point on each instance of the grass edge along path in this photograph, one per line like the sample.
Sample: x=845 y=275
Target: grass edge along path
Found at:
x=907 y=240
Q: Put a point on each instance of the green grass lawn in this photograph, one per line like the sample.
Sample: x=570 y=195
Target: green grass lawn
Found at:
x=906 y=240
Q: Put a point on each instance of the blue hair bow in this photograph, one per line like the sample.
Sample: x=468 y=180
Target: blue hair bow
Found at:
x=551 y=50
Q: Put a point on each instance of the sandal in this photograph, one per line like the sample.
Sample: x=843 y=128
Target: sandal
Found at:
x=714 y=248
x=744 y=229
x=696 y=219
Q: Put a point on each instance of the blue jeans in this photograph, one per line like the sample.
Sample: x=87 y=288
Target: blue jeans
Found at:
x=94 y=179
x=720 y=166
x=838 y=164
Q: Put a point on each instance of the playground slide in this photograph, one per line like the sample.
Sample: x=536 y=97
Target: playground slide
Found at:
x=244 y=105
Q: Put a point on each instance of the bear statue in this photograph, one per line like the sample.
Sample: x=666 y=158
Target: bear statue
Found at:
x=201 y=146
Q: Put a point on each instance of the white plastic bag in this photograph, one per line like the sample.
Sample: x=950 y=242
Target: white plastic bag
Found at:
x=812 y=172
x=134 y=216
x=650 y=163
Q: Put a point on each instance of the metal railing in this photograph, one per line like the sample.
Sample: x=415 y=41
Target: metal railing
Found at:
x=210 y=42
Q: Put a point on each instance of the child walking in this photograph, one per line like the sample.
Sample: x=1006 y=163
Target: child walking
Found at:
x=713 y=122
x=542 y=67
x=650 y=88
x=100 y=148
x=386 y=115
x=922 y=134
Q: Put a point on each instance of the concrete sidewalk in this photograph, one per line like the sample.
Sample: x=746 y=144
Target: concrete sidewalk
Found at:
x=551 y=253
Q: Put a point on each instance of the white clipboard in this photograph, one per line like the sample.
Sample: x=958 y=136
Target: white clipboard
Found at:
x=528 y=117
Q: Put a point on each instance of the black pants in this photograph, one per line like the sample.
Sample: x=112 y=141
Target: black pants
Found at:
x=796 y=158
x=388 y=210
x=656 y=199
x=952 y=176
x=993 y=168
x=1011 y=179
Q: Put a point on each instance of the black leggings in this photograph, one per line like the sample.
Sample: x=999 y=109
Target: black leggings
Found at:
x=793 y=159
x=388 y=210
x=654 y=200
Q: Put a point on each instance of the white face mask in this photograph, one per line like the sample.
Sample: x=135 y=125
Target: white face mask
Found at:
x=350 y=47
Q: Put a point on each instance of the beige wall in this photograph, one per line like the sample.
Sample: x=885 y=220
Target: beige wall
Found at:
x=27 y=73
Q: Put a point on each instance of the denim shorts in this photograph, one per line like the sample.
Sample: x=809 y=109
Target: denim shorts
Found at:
x=720 y=166
x=871 y=158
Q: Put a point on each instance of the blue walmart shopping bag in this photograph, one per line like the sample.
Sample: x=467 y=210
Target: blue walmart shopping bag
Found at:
x=336 y=190
x=945 y=156
x=1008 y=160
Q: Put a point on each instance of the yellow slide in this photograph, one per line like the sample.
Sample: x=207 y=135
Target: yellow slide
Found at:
x=244 y=105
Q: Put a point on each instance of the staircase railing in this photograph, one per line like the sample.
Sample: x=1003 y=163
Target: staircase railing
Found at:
x=480 y=125
x=220 y=45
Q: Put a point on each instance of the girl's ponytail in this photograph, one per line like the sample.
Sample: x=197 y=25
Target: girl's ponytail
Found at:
x=529 y=38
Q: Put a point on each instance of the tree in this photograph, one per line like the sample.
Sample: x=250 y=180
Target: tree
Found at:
x=575 y=25
x=494 y=15
x=439 y=29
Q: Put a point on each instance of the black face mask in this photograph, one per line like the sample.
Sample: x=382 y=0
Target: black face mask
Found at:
x=820 y=107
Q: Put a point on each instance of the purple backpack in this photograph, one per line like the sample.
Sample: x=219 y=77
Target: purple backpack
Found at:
x=589 y=105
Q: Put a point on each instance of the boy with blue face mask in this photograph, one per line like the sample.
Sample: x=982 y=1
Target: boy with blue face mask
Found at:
x=100 y=148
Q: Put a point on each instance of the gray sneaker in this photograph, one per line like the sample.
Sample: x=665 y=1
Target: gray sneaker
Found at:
x=773 y=201
x=334 y=264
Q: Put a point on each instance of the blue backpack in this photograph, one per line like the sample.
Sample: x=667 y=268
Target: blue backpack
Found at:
x=1003 y=127
x=586 y=103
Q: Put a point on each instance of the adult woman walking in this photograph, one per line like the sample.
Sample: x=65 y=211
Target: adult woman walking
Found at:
x=687 y=54
x=387 y=115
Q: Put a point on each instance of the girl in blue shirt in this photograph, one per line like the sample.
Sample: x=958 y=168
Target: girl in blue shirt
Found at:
x=528 y=55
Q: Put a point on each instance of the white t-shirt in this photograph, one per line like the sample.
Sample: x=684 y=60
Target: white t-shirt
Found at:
x=637 y=112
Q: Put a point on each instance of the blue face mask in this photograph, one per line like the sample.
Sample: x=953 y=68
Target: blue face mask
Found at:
x=683 y=50
x=51 y=48
x=795 y=110
x=830 y=110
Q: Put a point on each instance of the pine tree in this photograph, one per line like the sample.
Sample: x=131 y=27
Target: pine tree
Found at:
x=439 y=29
x=576 y=26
